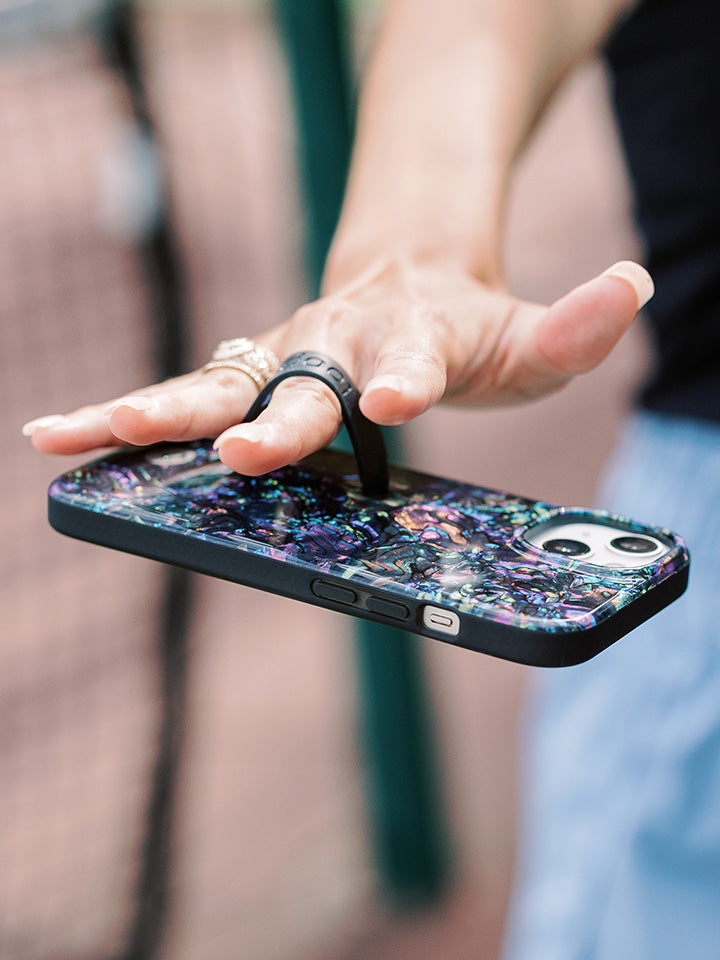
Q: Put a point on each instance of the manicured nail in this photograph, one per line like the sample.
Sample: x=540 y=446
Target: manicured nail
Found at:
x=53 y=420
x=635 y=275
x=135 y=403
x=388 y=381
x=251 y=432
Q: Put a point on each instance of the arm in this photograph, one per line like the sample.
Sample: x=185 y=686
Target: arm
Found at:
x=455 y=88
x=414 y=305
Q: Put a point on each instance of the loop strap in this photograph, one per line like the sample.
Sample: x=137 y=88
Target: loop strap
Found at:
x=366 y=436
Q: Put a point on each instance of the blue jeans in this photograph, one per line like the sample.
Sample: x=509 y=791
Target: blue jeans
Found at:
x=620 y=832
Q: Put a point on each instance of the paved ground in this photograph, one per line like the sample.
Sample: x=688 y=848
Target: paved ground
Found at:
x=272 y=858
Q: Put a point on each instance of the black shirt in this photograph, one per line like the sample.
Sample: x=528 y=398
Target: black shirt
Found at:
x=664 y=62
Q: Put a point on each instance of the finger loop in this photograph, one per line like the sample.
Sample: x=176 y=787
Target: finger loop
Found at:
x=366 y=436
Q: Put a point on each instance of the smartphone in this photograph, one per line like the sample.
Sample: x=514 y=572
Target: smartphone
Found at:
x=491 y=571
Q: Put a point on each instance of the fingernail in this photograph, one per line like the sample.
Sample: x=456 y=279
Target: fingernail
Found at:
x=388 y=381
x=635 y=275
x=135 y=403
x=31 y=426
x=252 y=432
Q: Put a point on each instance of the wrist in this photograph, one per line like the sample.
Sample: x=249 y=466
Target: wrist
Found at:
x=351 y=258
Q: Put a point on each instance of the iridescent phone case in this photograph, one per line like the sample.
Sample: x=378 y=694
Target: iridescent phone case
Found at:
x=308 y=531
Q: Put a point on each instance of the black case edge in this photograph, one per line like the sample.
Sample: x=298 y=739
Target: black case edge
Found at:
x=546 y=649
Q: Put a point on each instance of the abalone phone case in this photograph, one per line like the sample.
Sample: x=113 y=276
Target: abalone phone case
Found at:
x=479 y=568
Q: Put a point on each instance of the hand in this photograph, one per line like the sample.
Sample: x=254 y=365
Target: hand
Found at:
x=409 y=335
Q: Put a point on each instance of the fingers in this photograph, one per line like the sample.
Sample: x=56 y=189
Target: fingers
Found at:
x=203 y=407
x=83 y=429
x=186 y=408
x=397 y=349
x=410 y=372
x=87 y=427
x=302 y=416
x=578 y=331
x=401 y=352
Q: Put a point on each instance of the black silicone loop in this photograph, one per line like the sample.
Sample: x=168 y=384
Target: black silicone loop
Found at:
x=366 y=436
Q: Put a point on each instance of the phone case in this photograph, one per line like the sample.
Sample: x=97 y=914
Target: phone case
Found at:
x=308 y=531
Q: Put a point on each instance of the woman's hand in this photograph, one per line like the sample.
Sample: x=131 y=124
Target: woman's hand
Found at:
x=453 y=93
x=409 y=335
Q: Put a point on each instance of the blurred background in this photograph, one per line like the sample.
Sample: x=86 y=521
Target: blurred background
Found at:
x=183 y=767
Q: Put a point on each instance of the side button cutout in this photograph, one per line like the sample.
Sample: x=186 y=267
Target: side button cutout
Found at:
x=331 y=591
x=441 y=621
x=387 y=608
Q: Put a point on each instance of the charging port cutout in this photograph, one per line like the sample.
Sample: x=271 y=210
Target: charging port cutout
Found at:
x=442 y=621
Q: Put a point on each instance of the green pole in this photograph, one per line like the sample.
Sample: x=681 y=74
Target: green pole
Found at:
x=406 y=817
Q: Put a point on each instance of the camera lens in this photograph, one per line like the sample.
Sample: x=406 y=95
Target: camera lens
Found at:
x=568 y=548
x=631 y=544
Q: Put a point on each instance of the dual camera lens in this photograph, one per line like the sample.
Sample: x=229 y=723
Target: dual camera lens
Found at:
x=637 y=546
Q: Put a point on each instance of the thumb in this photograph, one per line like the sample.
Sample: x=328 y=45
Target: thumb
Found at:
x=580 y=329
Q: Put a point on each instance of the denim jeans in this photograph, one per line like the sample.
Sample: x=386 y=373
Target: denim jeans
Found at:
x=620 y=825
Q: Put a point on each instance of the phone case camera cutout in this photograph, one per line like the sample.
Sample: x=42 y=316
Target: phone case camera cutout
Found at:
x=498 y=573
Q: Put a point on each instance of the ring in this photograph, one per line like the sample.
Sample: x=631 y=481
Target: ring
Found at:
x=247 y=356
x=366 y=436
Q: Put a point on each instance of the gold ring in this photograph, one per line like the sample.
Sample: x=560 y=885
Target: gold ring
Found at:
x=243 y=354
